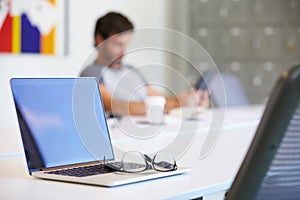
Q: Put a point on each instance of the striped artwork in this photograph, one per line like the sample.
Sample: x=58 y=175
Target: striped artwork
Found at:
x=29 y=26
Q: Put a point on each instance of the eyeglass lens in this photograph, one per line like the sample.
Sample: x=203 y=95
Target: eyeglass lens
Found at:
x=133 y=162
x=163 y=161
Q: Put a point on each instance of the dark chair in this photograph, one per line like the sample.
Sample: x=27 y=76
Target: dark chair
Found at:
x=271 y=168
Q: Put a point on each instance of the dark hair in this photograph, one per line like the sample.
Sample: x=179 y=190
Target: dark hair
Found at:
x=112 y=23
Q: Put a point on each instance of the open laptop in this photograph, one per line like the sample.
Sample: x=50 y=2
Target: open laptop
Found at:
x=63 y=126
x=271 y=168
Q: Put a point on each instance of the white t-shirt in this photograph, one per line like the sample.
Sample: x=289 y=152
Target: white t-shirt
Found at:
x=126 y=84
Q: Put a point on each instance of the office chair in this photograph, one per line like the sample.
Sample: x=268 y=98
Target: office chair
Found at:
x=271 y=168
x=234 y=94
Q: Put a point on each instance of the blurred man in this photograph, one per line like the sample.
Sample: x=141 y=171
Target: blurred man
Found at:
x=123 y=87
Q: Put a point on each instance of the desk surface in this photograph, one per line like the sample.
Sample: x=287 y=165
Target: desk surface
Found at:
x=208 y=174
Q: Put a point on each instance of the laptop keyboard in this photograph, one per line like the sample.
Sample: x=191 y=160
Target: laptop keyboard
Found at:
x=83 y=171
x=126 y=165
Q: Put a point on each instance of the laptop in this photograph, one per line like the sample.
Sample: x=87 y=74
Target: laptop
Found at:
x=271 y=168
x=65 y=135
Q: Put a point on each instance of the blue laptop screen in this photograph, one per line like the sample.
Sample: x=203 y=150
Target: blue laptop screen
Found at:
x=62 y=121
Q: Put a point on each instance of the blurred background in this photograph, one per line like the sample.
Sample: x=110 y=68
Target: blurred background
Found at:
x=252 y=39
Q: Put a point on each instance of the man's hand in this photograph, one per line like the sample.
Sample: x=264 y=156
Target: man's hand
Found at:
x=194 y=97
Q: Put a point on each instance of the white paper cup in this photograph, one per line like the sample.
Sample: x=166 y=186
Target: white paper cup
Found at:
x=155 y=109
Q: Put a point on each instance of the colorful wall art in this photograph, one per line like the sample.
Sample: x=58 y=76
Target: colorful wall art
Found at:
x=32 y=26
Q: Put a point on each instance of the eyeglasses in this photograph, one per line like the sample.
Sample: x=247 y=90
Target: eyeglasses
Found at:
x=135 y=161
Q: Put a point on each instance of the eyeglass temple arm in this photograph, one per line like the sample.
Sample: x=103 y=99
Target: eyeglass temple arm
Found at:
x=148 y=158
x=175 y=165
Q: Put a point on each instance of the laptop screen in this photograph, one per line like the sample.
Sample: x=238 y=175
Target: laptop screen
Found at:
x=62 y=121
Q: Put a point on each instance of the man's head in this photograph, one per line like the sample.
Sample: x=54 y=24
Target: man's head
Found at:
x=112 y=23
x=115 y=29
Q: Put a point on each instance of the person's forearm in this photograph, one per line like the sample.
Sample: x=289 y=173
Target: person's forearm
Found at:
x=172 y=102
x=127 y=108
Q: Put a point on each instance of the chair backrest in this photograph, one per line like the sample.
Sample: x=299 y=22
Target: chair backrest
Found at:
x=271 y=168
x=235 y=94
x=226 y=89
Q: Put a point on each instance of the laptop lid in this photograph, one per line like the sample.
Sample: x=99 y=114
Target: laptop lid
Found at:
x=62 y=121
x=271 y=168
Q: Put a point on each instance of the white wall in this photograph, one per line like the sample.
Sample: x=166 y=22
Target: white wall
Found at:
x=82 y=17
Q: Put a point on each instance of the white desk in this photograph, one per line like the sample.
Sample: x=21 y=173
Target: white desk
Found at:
x=209 y=175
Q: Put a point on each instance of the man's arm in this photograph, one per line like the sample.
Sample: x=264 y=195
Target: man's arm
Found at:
x=187 y=98
x=120 y=107
x=171 y=102
x=192 y=97
x=132 y=108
